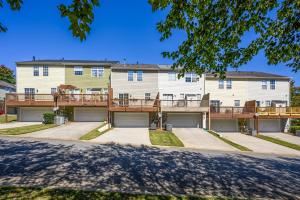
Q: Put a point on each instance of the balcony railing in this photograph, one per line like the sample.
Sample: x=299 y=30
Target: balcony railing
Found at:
x=184 y=105
x=14 y=99
x=134 y=105
x=232 y=112
x=82 y=100
x=278 y=111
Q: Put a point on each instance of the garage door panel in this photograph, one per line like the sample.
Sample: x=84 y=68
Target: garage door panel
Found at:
x=131 y=119
x=269 y=125
x=33 y=114
x=87 y=114
x=181 y=120
x=224 y=125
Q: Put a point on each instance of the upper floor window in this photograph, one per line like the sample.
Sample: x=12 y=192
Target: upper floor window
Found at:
x=221 y=84
x=272 y=84
x=53 y=90
x=97 y=71
x=228 y=84
x=139 y=75
x=191 y=77
x=264 y=84
x=36 y=71
x=130 y=75
x=172 y=76
x=45 y=70
x=78 y=71
x=237 y=103
x=147 y=96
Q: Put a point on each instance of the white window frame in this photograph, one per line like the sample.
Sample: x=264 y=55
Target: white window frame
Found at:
x=139 y=75
x=228 y=84
x=172 y=76
x=97 y=72
x=53 y=90
x=237 y=103
x=264 y=84
x=191 y=77
x=78 y=69
x=36 y=71
x=147 y=96
x=45 y=70
x=221 y=84
x=272 y=84
x=130 y=75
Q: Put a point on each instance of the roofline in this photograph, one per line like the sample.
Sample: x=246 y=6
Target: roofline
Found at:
x=67 y=62
x=251 y=77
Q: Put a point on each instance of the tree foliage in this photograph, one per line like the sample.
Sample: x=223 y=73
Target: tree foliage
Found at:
x=295 y=94
x=7 y=75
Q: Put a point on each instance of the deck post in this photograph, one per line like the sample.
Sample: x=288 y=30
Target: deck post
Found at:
x=256 y=124
x=5 y=110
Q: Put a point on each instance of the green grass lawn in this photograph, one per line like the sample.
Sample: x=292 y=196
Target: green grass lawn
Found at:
x=18 y=193
x=238 y=146
x=10 y=118
x=280 y=142
x=25 y=129
x=164 y=138
x=94 y=133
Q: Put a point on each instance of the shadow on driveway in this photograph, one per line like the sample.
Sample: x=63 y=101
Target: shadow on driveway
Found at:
x=144 y=169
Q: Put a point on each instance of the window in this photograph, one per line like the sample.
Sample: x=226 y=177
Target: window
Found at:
x=272 y=84
x=228 y=84
x=237 y=103
x=147 y=96
x=221 y=84
x=130 y=75
x=78 y=71
x=198 y=96
x=45 y=71
x=36 y=71
x=258 y=103
x=29 y=93
x=181 y=96
x=268 y=103
x=172 y=76
x=191 y=77
x=53 y=90
x=123 y=99
x=97 y=71
x=139 y=75
x=264 y=84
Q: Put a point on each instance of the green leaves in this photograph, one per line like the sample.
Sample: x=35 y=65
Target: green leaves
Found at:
x=7 y=75
x=80 y=13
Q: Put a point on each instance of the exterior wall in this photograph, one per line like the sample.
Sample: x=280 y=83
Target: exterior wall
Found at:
x=179 y=86
x=247 y=90
x=135 y=89
x=86 y=80
x=42 y=84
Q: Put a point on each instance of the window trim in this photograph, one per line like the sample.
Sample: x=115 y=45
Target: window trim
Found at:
x=99 y=72
x=130 y=75
x=192 y=76
x=36 y=71
x=228 y=83
x=264 y=84
x=45 y=70
x=239 y=103
x=139 y=75
x=147 y=96
x=272 y=86
x=78 y=69
x=221 y=83
x=171 y=76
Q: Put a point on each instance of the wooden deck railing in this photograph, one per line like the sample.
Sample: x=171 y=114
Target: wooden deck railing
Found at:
x=134 y=105
x=278 y=111
x=184 y=105
x=232 y=112
x=82 y=100
x=15 y=99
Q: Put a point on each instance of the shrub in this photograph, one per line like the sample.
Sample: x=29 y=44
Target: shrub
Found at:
x=295 y=122
x=48 y=118
x=293 y=129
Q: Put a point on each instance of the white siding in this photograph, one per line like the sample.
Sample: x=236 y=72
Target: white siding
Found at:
x=42 y=84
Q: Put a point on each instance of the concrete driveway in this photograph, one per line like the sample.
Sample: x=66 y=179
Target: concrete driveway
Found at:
x=17 y=124
x=285 y=137
x=259 y=145
x=70 y=131
x=200 y=139
x=135 y=136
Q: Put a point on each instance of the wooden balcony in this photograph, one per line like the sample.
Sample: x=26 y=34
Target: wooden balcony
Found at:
x=184 y=105
x=278 y=112
x=48 y=100
x=134 y=105
x=231 y=112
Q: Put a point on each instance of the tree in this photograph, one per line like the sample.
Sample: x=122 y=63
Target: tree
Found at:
x=295 y=94
x=7 y=75
x=214 y=30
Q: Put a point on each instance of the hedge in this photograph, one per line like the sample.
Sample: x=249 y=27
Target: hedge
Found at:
x=293 y=129
x=48 y=118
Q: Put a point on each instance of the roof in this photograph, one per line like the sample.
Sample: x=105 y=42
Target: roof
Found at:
x=135 y=67
x=5 y=84
x=68 y=62
x=249 y=74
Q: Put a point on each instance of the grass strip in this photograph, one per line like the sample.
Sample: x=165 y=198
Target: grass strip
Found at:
x=10 y=118
x=238 y=146
x=24 y=193
x=25 y=129
x=280 y=142
x=164 y=138
x=94 y=133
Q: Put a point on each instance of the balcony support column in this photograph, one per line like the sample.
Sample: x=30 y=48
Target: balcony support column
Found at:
x=204 y=119
x=5 y=110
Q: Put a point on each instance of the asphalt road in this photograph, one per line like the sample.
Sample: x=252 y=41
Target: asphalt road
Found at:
x=29 y=162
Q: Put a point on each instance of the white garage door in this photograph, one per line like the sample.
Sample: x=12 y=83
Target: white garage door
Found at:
x=184 y=120
x=88 y=114
x=32 y=114
x=224 y=125
x=131 y=119
x=267 y=125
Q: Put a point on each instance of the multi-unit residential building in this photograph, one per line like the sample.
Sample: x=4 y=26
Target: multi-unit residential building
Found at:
x=140 y=95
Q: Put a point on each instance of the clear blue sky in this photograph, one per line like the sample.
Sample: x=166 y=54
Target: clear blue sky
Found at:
x=122 y=29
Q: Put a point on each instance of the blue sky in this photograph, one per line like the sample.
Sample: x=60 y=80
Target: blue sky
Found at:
x=122 y=29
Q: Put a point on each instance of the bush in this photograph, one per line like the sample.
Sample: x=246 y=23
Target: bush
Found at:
x=293 y=129
x=295 y=122
x=48 y=118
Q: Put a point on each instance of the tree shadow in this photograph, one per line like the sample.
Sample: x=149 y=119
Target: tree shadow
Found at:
x=131 y=169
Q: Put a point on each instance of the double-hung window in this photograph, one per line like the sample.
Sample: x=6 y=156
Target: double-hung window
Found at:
x=237 y=103
x=191 y=77
x=36 y=71
x=45 y=70
x=130 y=75
x=78 y=71
x=147 y=96
x=228 y=84
x=139 y=75
x=97 y=71
x=221 y=84
x=272 y=84
x=172 y=76
x=53 y=90
x=264 y=84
